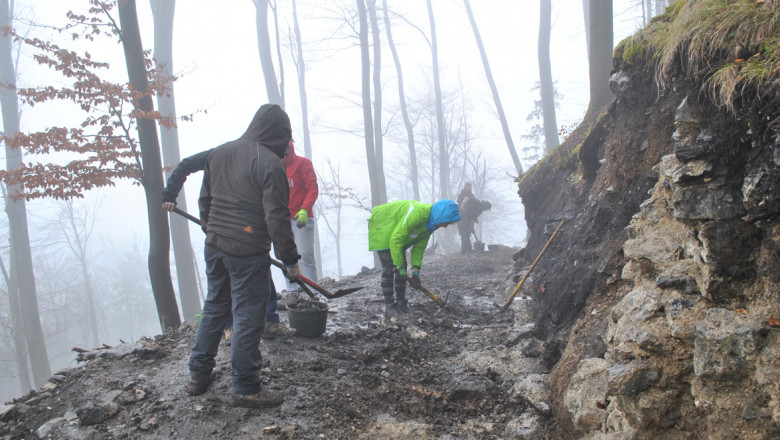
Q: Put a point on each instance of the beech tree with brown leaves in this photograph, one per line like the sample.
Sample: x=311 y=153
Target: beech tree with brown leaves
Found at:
x=116 y=139
x=29 y=343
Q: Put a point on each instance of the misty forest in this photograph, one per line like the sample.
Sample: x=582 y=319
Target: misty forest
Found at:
x=392 y=101
x=76 y=291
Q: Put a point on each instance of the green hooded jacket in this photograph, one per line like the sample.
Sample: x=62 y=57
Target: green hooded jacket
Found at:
x=398 y=225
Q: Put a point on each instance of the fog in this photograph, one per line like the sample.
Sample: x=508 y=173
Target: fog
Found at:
x=221 y=84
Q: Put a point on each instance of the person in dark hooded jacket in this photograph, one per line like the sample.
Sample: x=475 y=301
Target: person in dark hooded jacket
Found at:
x=197 y=162
x=395 y=227
x=243 y=211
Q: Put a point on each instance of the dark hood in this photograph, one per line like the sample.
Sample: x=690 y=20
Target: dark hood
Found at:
x=271 y=128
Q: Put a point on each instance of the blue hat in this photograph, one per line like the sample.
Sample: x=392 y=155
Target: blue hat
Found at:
x=443 y=211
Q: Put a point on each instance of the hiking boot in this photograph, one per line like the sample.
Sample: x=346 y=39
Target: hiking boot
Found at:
x=198 y=386
x=402 y=306
x=391 y=311
x=228 y=335
x=263 y=399
x=275 y=330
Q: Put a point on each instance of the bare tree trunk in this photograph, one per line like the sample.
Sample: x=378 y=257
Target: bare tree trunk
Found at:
x=600 y=60
x=300 y=65
x=378 y=142
x=586 y=15
x=337 y=200
x=20 y=344
x=545 y=77
x=279 y=53
x=21 y=255
x=301 y=70
x=433 y=160
x=338 y=242
x=264 y=48
x=648 y=9
x=494 y=90
x=159 y=243
x=444 y=186
x=368 y=125
x=659 y=7
x=404 y=110
x=76 y=231
x=186 y=277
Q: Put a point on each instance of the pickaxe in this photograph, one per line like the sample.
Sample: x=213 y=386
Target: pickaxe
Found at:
x=433 y=296
x=302 y=280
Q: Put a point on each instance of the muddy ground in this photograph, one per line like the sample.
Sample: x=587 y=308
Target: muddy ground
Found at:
x=440 y=373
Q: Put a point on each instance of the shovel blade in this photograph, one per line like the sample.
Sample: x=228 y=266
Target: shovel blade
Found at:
x=342 y=292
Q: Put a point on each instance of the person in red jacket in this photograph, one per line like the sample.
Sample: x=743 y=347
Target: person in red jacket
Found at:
x=303 y=195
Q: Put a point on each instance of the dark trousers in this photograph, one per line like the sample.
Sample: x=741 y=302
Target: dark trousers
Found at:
x=271 y=315
x=239 y=284
x=464 y=229
x=390 y=280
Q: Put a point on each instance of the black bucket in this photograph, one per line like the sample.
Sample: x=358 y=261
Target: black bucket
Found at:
x=479 y=246
x=308 y=318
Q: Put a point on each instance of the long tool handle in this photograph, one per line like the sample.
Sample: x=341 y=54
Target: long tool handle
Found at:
x=278 y=264
x=186 y=215
x=512 y=297
x=431 y=295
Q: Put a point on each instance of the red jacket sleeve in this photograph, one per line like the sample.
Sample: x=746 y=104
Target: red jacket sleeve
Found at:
x=310 y=184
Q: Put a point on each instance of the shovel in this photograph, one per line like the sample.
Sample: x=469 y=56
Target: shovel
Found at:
x=325 y=292
x=302 y=280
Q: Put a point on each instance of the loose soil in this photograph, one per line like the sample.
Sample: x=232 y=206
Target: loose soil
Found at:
x=438 y=373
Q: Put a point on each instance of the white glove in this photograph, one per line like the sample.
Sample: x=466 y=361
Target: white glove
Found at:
x=292 y=271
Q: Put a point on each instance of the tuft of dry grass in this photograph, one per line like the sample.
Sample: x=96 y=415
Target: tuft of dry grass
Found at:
x=728 y=45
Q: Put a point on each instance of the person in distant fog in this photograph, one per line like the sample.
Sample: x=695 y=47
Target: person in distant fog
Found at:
x=472 y=209
x=395 y=227
x=464 y=194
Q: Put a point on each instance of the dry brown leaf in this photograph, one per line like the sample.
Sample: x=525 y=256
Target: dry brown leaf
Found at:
x=774 y=322
x=742 y=311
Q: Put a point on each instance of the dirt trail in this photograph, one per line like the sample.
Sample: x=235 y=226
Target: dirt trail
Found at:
x=438 y=373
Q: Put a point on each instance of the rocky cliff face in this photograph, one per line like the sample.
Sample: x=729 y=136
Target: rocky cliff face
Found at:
x=657 y=298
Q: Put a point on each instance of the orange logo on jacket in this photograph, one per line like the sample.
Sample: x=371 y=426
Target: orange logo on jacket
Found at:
x=249 y=230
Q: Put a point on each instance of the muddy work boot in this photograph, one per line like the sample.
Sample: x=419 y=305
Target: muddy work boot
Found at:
x=403 y=306
x=391 y=311
x=275 y=330
x=263 y=399
x=198 y=385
